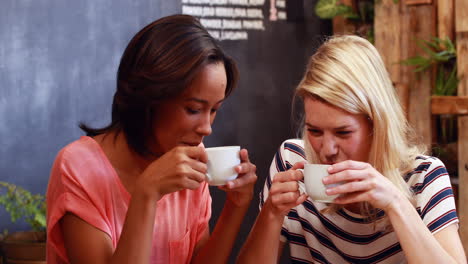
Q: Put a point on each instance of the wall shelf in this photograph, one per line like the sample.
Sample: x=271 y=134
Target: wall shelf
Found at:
x=454 y=105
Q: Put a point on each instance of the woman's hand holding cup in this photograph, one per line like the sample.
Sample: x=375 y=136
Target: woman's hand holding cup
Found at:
x=230 y=169
x=314 y=186
x=284 y=193
x=181 y=168
x=240 y=190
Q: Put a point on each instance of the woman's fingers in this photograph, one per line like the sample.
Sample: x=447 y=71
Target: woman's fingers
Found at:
x=244 y=155
x=197 y=165
x=298 y=165
x=245 y=167
x=290 y=175
x=302 y=198
x=291 y=186
x=350 y=187
x=246 y=173
x=348 y=165
x=282 y=199
x=196 y=153
x=346 y=176
x=243 y=180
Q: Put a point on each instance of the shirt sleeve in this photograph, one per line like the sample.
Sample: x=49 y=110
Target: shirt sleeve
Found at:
x=66 y=193
x=290 y=152
x=435 y=201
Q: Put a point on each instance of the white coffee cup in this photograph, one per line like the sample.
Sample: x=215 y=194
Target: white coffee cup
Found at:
x=221 y=164
x=313 y=185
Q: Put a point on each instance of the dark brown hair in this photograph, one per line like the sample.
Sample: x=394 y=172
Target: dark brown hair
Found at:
x=158 y=64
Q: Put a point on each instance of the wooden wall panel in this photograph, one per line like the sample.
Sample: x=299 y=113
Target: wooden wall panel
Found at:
x=445 y=19
x=342 y=26
x=463 y=178
x=461 y=11
x=417 y=2
x=462 y=63
x=388 y=36
x=420 y=85
x=452 y=105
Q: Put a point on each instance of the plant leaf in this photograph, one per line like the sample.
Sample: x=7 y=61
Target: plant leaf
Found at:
x=439 y=85
x=327 y=9
x=41 y=219
x=426 y=47
x=22 y=204
x=416 y=61
x=451 y=84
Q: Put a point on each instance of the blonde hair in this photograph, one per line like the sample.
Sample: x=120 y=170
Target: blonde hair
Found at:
x=347 y=72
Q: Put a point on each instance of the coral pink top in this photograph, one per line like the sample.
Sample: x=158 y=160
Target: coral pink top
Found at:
x=84 y=183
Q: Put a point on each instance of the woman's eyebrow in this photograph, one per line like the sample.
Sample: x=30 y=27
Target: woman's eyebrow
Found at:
x=336 y=128
x=344 y=127
x=198 y=100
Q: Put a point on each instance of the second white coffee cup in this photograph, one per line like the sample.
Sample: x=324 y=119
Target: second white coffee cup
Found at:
x=221 y=164
x=313 y=185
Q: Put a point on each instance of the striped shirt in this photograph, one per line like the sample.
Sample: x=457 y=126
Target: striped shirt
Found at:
x=346 y=237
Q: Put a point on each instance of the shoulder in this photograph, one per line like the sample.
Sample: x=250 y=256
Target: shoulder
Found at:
x=292 y=149
x=83 y=152
x=426 y=170
x=290 y=152
x=80 y=161
x=294 y=145
x=82 y=146
x=423 y=165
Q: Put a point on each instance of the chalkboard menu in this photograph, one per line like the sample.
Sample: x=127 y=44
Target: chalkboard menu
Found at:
x=58 y=64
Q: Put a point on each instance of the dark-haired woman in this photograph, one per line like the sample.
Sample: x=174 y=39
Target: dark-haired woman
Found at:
x=135 y=190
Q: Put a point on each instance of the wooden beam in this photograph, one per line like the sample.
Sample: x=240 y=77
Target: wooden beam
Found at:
x=455 y=105
x=420 y=85
x=462 y=63
x=406 y=74
x=463 y=178
x=461 y=11
x=445 y=19
x=417 y=2
x=387 y=32
x=461 y=28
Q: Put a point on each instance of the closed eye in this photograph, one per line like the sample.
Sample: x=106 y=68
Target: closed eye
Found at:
x=314 y=132
x=344 y=132
x=192 y=111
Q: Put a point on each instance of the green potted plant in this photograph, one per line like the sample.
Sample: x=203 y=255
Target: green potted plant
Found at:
x=24 y=246
x=360 y=14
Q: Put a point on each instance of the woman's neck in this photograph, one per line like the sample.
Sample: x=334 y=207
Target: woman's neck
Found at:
x=127 y=163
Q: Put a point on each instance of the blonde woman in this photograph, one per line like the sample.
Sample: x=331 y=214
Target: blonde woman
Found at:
x=396 y=205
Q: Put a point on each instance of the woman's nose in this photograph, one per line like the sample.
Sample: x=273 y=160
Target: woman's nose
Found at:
x=204 y=128
x=329 y=147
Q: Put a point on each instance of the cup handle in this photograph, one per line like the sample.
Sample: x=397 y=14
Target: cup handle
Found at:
x=302 y=189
